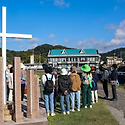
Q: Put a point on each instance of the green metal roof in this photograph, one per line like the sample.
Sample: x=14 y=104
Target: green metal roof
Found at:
x=72 y=51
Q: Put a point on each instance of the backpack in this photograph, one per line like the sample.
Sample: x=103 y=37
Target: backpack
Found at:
x=48 y=88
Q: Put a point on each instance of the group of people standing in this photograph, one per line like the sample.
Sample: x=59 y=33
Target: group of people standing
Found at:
x=113 y=75
x=9 y=82
x=70 y=87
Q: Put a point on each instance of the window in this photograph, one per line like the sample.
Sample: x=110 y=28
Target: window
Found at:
x=88 y=58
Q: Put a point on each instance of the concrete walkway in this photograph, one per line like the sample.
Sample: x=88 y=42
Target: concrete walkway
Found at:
x=117 y=108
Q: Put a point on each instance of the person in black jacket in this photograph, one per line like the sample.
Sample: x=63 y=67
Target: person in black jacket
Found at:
x=114 y=78
x=94 y=88
x=64 y=84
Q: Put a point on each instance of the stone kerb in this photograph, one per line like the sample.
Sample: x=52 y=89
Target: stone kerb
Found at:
x=1 y=92
x=17 y=90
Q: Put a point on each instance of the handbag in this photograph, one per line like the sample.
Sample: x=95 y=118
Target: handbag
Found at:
x=113 y=82
x=25 y=91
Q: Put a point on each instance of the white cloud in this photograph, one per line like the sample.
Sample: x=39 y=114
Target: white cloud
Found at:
x=34 y=40
x=91 y=43
x=32 y=46
x=54 y=42
x=51 y=36
x=21 y=48
x=110 y=27
x=61 y=3
x=41 y=2
x=115 y=43
x=119 y=37
x=18 y=40
x=115 y=8
x=67 y=40
x=79 y=43
x=103 y=46
x=120 y=34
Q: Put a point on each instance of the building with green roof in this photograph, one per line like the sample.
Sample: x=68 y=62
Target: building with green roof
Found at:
x=59 y=58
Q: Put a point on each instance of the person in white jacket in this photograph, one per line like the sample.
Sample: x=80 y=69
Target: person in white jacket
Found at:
x=9 y=80
x=48 y=96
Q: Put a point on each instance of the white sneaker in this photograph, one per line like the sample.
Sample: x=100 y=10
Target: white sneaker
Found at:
x=85 y=107
x=93 y=102
x=72 y=110
x=78 y=110
x=97 y=101
x=53 y=114
x=64 y=113
x=68 y=112
x=47 y=113
x=90 y=106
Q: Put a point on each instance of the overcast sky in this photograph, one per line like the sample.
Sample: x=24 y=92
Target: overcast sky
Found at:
x=83 y=24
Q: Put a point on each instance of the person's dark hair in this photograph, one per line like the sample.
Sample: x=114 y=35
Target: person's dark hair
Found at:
x=114 y=66
x=11 y=70
x=48 y=70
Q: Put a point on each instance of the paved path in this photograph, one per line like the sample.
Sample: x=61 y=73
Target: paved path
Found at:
x=117 y=108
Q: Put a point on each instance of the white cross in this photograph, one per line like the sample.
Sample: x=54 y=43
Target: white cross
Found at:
x=5 y=35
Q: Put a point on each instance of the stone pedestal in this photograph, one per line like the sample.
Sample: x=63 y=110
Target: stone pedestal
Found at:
x=36 y=97
x=17 y=90
x=1 y=92
x=30 y=94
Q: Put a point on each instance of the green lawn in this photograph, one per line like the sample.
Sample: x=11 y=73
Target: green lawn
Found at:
x=98 y=115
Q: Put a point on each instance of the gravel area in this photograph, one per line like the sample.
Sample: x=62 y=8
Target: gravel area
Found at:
x=117 y=108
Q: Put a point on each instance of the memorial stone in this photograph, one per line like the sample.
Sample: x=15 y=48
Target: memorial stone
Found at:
x=36 y=96
x=17 y=90
x=30 y=93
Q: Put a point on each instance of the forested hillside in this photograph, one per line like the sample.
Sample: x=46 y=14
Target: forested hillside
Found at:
x=120 y=52
x=41 y=53
x=25 y=55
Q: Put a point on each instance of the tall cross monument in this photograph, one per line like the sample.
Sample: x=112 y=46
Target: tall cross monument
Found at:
x=5 y=35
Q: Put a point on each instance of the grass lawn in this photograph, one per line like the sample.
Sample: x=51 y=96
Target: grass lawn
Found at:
x=98 y=115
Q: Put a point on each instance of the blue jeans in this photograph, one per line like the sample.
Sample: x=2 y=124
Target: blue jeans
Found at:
x=72 y=97
x=49 y=99
x=66 y=97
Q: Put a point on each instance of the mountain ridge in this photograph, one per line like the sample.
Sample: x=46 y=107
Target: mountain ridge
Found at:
x=41 y=52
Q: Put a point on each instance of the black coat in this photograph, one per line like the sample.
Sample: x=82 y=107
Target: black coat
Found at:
x=64 y=83
x=114 y=75
x=95 y=78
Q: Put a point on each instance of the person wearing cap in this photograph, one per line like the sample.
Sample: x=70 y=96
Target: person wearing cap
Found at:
x=104 y=80
x=48 y=97
x=76 y=87
x=94 y=85
x=86 y=86
x=64 y=84
x=114 y=78
x=9 y=80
